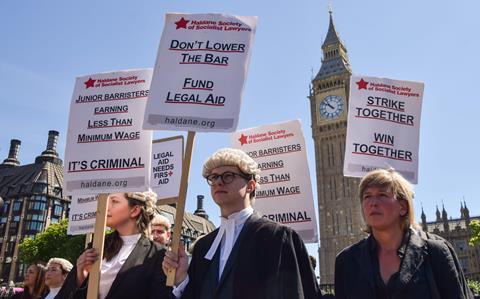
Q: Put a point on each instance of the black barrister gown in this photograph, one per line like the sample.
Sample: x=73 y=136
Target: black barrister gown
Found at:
x=268 y=261
x=140 y=277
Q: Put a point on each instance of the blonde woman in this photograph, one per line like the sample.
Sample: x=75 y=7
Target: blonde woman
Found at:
x=397 y=260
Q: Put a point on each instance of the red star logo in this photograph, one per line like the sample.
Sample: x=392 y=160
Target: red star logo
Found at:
x=362 y=84
x=243 y=139
x=182 y=23
x=170 y=173
x=89 y=83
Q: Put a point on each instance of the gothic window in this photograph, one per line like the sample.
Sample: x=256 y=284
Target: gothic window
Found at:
x=346 y=224
x=461 y=245
x=39 y=198
x=40 y=188
x=346 y=188
x=57 y=210
x=342 y=150
x=349 y=222
x=36 y=226
x=36 y=217
x=332 y=188
x=39 y=206
x=16 y=206
x=333 y=224
x=5 y=208
x=326 y=150
x=330 y=154
x=337 y=223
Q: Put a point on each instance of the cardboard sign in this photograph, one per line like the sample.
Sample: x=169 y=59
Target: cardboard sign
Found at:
x=107 y=150
x=167 y=156
x=383 y=126
x=285 y=193
x=200 y=72
x=81 y=219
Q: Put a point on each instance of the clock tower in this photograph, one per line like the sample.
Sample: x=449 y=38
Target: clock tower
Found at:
x=339 y=209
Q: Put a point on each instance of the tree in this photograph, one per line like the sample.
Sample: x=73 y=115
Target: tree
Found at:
x=475 y=229
x=53 y=242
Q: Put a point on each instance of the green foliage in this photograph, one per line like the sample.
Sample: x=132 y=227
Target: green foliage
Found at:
x=475 y=229
x=53 y=242
x=474 y=286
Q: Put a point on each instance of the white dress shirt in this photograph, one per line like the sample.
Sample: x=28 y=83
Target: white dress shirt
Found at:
x=52 y=293
x=110 y=268
x=226 y=237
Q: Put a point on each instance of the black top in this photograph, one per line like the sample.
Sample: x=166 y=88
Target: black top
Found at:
x=140 y=277
x=268 y=261
x=429 y=269
x=382 y=290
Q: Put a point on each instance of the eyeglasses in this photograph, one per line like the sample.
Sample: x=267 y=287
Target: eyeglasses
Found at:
x=226 y=177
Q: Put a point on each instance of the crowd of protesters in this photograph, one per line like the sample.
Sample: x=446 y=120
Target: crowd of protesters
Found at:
x=251 y=257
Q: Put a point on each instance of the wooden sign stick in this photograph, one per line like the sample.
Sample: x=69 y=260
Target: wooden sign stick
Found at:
x=182 y=195
x=98 y=242
x=88 y=239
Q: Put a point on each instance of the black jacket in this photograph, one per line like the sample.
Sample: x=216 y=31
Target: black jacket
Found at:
x=270 y=262
x=429 y=269
x=141 y=276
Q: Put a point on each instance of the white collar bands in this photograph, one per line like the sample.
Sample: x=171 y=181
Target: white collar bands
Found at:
x=227 y=228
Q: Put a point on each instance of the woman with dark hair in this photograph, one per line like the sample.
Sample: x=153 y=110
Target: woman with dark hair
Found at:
x=131 y=266
x=397 y=260
x=34 y=283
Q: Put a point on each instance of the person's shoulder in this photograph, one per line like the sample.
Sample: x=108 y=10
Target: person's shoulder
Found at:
x=351 y=250
x=265 y=225
x=436 y=244
x=263 y=229
x=207 y=239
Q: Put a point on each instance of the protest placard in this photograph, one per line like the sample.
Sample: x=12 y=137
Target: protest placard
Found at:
x=200 y=72
x=285 y=193
x=167 y=156
x=107 y=150
x=383 y=126
x=81 y=219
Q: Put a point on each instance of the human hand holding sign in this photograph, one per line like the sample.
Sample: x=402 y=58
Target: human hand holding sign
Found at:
x=176 y=261
x=84 y=264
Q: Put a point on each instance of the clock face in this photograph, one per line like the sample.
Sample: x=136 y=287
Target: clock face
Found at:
x=331 y=107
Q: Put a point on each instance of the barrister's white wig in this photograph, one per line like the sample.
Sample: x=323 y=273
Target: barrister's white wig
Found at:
x=233 y=157
x=65 y=264
x=160 y=220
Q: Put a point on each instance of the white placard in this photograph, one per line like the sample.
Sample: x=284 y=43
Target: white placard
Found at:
x=107 y=150
x=81 y=219
x=285 y=193
x=383 y=126
x=167 y=155
x=200 y=72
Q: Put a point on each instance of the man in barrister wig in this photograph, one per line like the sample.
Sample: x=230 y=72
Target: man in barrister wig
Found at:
x=248 y=256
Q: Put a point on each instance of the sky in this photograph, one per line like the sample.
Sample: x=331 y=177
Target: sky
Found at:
x=45 y=45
